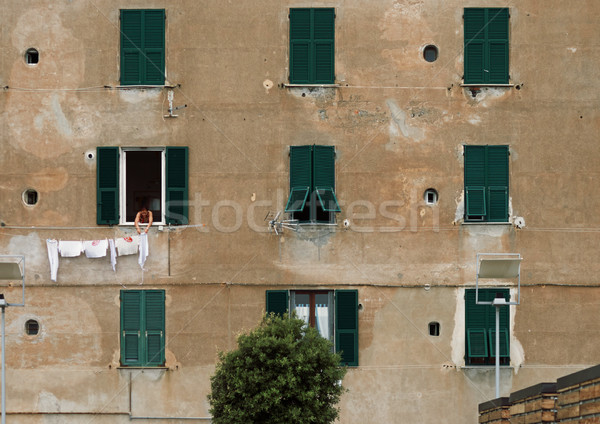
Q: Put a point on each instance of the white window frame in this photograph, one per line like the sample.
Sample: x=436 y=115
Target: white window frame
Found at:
x=123 y=183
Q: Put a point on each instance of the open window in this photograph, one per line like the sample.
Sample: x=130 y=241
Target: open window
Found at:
x=334 y=313
x=312 y=184
x=129 y=178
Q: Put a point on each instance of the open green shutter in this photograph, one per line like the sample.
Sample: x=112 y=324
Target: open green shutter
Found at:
x=346 y=326
x=477 y=346
x=277 y=302
x=154 y=318
x=327 y=199
x=177 y=185
x=300 y=46
x=504 y=342
x=107 y=185
x=324 y=49
x=131 y=328
x=154 y=47
x=297 y=200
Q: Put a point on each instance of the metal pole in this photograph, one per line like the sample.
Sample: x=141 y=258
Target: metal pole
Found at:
x=3 y=372
x=497 y=351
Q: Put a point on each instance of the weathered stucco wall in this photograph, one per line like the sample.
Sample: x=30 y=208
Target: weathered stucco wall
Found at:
x=398 y=124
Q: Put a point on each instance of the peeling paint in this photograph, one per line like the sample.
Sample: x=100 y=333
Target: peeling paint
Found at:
x=398 y=123
x=457 y=343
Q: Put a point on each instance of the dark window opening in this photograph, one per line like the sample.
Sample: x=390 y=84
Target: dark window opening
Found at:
x=431 y=196
x=143 y=183
x=30 y=197
x=32 y=327
x=32 y=57
x=434 y=328
x=430 y=53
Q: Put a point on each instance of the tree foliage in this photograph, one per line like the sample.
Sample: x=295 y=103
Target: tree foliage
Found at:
x=281 y=372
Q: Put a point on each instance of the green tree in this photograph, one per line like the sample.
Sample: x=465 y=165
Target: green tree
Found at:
x=281 y=372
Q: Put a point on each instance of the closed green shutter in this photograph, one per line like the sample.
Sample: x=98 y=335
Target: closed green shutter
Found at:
x=300 y=177
x=486 y=183
x=324 y=167
x=142 y=47
x=154 y=46
x=346 y=326
x=486 y=48
x=324 y=40
x=277 y=302
x=131 y=327
x=177 y=185
x=312 y=45
x=154 y=314
x=480 y=325
x=107 y=185
x=497 y=182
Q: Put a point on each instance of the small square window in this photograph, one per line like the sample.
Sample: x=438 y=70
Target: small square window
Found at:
x=32 y=56
x=434 y=329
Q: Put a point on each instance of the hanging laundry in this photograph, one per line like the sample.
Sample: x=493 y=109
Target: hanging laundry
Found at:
x=143 y=249
x=70 y=249
x=127 y=245
x=113 y=253
x=95 y=248
x=52 y=246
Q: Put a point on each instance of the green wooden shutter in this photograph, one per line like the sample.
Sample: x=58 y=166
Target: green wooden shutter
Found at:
x=131 y=327
x=154 y=317
x=131 y=47
x=475 y=181
x=177 y=185
x=346 y=326
x=474 y=37
x=497 y=45
x=504 y=342
x=324 y=177
x=486 y=45
x=107 y=185
x=477 y=346
x=277 y=302
x=300 y=46
x=324 y=45
x=497 y=182
x=300 y=177
x=154 y=47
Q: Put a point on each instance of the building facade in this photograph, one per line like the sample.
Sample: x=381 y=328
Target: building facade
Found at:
x=391 y=141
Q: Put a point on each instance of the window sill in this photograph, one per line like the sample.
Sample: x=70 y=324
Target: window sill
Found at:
x=311 y=85
x=484 y=367
x=124 y=87
x=143 y=368
x=487 y=85
x=484 y=223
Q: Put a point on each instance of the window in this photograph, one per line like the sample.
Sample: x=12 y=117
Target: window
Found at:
x=312 y=36
x=142 y=328
x=333 y=313
x=143 y=47
x=32 y=327
x=312 y=184
x=32 y=56
x=480 y=327
x=486 y=183
x=430 y=53
x=128 y=178
x=486 y=45
x=30 y=197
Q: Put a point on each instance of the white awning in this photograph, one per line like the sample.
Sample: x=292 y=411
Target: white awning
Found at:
x=499 y=267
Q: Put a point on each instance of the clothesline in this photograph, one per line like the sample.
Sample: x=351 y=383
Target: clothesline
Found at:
x=97 y=249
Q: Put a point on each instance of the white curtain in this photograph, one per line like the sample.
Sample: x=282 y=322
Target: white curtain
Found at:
x=302 y=312
x=322 y=312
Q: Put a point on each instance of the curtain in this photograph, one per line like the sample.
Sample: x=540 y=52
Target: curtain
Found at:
x=322 y=312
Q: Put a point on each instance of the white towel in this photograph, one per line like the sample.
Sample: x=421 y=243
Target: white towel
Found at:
x=143 y=249
x=113 y=253
x=53 y=257
x=127 y=245
x=70 y=249
x=95 y=248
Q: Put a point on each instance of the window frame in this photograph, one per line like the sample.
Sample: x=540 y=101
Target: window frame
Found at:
x=480 y=324
x=486 y=176
x=142 y=51
x=480 y=44
x=111 y=178
x=312 y=175
x=345 y=317
x=145 y=297
x=313 y=47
